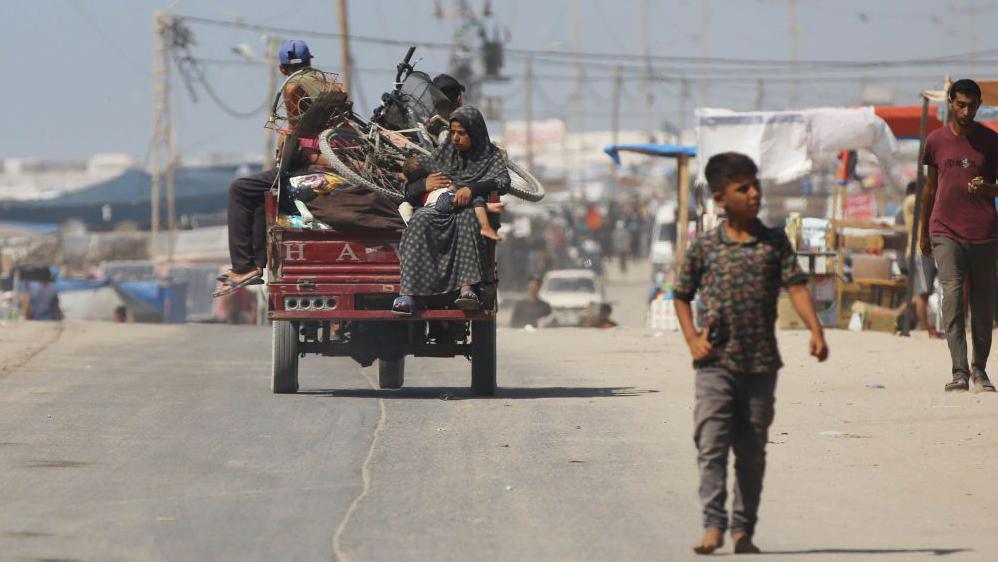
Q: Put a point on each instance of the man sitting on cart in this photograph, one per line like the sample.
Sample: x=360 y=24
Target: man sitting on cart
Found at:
x=246 y=220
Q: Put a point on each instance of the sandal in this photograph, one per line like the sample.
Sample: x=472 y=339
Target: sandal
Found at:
x=981 y=382
x=467 y=300
x=228 y=287
x=403 y=305
x=959 y=384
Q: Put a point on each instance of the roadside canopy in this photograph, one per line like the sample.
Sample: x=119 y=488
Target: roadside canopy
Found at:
x=989 y=92
x=682 y=154
x=664 y=150
x=905 y=120
x=784 y=144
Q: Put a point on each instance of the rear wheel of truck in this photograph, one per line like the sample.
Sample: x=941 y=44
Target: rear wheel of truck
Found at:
x=285 y=362
x=483 y=357
x=391 y=374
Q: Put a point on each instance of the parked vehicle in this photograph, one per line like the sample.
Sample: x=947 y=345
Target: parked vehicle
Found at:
x=571 y=292
x=663 y=237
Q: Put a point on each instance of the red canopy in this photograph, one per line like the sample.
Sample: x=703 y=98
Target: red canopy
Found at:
x=906 y=120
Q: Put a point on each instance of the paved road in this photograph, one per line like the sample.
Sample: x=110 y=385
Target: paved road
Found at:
x=163 y=443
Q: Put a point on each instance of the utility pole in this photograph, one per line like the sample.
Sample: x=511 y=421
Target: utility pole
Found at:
x=162 y=151
x=759 y=93
x=618 y=81
x=577 y=110
x=704 y=51
x=648 y=74
x=345 y=44
x=528 y=109
x=794 y=55
x=684 y=94
x=268 y=148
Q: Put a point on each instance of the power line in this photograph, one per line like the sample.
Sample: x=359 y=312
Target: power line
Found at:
x=125 y=55
x=566 y=56
x=635 y=72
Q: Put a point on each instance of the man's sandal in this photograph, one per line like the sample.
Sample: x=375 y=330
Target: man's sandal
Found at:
x=228 y=286
x=958 y=385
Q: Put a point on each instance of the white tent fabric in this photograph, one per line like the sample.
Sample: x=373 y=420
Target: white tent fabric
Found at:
x=784 y=143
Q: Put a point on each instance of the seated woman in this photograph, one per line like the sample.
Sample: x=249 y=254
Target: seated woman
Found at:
x=442 y=252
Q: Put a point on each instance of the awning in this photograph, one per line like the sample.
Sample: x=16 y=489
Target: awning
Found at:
x=989 y=92
x=905 y=121
x=664 y=150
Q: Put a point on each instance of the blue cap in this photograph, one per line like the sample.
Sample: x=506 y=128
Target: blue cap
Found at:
x=294 y=51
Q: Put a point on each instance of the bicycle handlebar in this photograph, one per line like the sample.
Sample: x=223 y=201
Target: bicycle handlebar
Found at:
x=404 y=66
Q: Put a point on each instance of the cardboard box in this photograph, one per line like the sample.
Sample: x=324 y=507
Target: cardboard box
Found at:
x=852 y=293
x=870 y=267
x=786 y=316
x=877 y=318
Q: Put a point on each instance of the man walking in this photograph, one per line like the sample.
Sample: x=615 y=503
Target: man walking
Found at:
x=924 y=274
x=960 y=229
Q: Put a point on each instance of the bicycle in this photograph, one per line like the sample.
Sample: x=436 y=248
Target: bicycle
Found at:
x=403 y=126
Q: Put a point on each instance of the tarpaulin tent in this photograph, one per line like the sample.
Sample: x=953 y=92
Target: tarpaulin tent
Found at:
x=784 y=143
x=682 y=154
x=906 y=120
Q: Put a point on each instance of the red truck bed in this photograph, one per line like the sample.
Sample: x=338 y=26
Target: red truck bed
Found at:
x=334 y=275
x=330 y=293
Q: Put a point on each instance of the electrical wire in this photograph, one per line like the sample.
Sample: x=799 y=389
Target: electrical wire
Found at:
x=568 y=56
x=192 y=72
x=125 y=55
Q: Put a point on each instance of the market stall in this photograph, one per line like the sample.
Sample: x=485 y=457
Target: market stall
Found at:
x=682 y=154
x=786 y=145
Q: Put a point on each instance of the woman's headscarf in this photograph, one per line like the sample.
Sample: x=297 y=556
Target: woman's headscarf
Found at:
x=481 y=162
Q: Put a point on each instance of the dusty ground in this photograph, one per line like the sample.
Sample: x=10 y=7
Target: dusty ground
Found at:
x=163 y=443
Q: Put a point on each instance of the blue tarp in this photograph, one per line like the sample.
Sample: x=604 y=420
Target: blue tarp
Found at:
x=127 y=198
x=79 y=284
x=166 y=300
x=664 y=150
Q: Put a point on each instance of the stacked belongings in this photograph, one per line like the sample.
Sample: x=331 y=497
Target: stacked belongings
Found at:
x=322 y=198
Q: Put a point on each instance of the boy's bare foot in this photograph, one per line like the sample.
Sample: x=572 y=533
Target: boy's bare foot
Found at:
x=743 y=544
x=492 y=234
x=712 y=540
x=495 y=208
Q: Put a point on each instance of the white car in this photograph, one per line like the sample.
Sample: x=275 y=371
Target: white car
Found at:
x=663 y=237
x=570 y=292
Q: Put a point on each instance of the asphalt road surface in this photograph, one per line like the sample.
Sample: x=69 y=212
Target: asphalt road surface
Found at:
x=145 y=442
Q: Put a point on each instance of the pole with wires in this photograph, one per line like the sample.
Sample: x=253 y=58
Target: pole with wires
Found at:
x=268 y=147
x=618 y=82
x=160 y=91
x=528 y=109
x=345 y=44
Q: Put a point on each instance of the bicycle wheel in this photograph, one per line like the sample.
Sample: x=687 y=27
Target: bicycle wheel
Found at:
x=357 y=160
x=523 y=184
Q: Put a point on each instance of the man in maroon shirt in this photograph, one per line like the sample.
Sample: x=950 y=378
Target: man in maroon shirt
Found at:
x=960 y=229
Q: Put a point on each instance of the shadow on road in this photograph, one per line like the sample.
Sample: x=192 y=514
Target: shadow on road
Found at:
x=933 y=551
x=463 y=393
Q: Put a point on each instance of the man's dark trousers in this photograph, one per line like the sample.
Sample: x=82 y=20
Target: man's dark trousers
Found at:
x=733 y=410
x=957 y=263
x=248 y=222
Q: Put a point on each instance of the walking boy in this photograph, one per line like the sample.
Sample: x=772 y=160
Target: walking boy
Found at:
x=738 y=269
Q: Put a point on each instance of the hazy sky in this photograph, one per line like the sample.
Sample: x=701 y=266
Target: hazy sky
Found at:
x=79 y=72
